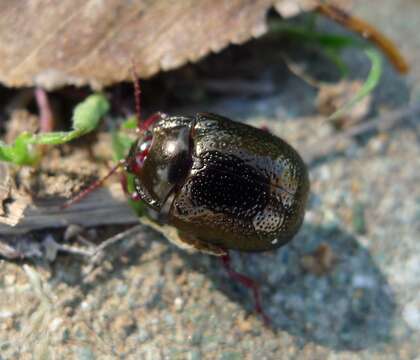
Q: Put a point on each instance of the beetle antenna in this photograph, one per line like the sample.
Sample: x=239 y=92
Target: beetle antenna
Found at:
x=137 y=92
x=248 y=283
x=96 y=184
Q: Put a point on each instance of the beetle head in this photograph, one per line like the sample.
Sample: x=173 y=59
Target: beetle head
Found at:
x=140 y=149
x=138 y=154
x=160 y=160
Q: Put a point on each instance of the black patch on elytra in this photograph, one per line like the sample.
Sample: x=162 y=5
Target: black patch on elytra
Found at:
x=225 y=184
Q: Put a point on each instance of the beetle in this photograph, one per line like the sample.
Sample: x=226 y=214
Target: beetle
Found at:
x=223 y=184
x=217 y=184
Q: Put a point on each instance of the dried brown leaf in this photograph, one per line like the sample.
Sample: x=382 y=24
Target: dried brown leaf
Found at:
x=79 y=42
x=332 y=97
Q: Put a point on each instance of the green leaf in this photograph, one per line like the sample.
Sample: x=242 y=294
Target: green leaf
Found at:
x=86 y=115
x=54 y=138
x=308 y=34
x=121 y=144
x=19 y=152
x=86 y=118
x=130 y=123
x=335 y=58
x=138 y=206
x=368 y=86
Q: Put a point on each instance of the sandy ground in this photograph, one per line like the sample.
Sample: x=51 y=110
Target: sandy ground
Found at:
x=347 y=287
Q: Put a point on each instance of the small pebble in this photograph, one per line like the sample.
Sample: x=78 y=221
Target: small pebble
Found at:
x=194 y=355
x=411 y=315
x=85 y=353
x=51 y=247
x=196 y=338
x=55 y=324
x=5 y=314
x=85 y=305
x=143 y=334
x=124 y=324
x=231 y=356
x=178 y=303
x=9 y=279
x=320 y=262
x=244 y=325
x=362 y=281
x=122 y=289
x=72 y=231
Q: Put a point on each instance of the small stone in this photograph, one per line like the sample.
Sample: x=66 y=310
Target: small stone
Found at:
x=121 y=290
x=55 y=324
x=411 y=315
x=320 y=261
x=4 y=346
x=178 y=303
x=7 y=324
x=143 y=334
x=231 y=356
x=363 y=281
x=331 y=220
x=51 y=247
x=196 y=338
x=72 y=231
x=169 y=319
x=9 y=279
x=124 y=324
x=85 y=353
x=378 y=144
x=65 y=335
x=6 y=314
x=85 y=305
x=194 y=355
x=244 y=325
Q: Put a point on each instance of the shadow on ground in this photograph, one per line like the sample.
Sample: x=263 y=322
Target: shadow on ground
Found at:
x=349 y=308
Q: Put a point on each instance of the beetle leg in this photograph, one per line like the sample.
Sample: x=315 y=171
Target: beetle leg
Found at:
x=92 y=187
x=248 y=283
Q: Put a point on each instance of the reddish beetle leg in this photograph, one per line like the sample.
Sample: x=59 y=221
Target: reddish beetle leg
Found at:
x=248 y=283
